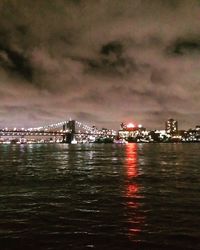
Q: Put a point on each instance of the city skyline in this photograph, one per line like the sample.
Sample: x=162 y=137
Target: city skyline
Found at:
x=170 y=126
x=102 y=61
x=76 y=132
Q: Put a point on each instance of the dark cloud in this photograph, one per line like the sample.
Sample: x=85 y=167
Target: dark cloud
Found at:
x=105 y=61
x=112 y=48
x=185 y=47
x=112 y=61
x=16 y=63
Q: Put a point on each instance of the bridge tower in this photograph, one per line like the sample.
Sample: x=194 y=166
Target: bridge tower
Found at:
x=71 y=127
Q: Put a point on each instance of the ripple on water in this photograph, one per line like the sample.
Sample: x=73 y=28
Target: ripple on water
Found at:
x=134 y=196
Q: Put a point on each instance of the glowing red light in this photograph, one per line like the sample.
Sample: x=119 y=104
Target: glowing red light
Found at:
x=130 y=125
x=131 y=160
x=132 y=192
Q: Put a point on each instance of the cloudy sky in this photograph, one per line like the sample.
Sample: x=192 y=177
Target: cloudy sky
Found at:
x=99 y=61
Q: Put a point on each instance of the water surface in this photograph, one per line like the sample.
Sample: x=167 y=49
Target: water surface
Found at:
x=134 y=196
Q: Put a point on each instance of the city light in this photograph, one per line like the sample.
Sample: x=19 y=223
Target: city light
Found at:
x=85 y=133
x=130 y=125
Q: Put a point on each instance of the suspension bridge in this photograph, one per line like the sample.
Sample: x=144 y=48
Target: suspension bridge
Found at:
x=68 y=130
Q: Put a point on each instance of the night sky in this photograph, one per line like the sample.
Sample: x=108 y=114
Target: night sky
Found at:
x=99 y=61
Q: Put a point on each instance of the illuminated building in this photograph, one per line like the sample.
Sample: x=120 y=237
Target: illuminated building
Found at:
x=197 y=128
x=171 y=126
x=130 y=131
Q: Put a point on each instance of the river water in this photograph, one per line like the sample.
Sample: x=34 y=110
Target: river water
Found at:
x=133 y=196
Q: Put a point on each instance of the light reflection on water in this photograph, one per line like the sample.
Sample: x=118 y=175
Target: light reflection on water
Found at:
x=137 y=219
x=134 y=196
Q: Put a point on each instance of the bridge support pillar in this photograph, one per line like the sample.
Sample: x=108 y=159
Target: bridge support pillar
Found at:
x=67 y=138
x=71 y=126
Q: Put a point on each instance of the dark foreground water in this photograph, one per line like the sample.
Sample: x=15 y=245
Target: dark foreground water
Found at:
x=134 y=196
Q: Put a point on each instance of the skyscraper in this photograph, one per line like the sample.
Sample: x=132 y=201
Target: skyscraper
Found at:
x=171 y=126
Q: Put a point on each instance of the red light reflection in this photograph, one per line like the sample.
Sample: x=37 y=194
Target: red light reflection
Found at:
x=135 y=221
x=131 y=160
x=132 y=189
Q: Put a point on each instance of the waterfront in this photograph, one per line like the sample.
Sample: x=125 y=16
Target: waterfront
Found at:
x=99 y=196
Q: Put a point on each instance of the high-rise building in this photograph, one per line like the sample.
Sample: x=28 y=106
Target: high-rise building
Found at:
x=171 y=126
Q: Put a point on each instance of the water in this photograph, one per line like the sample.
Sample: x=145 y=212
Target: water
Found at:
x=134 y=196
